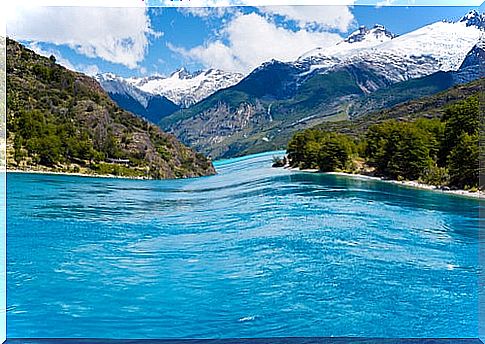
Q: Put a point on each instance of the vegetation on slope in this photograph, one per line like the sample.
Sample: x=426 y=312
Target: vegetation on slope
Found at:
x=243 y=119
x=264 y=110
x=59 y=120
x=433 y=106
x=433 y=151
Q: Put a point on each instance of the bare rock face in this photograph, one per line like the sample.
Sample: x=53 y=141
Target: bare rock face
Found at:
x=218 y=125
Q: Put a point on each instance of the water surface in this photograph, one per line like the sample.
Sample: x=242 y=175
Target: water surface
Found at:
x=250 y=252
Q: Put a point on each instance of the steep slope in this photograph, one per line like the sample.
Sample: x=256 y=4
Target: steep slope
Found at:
x=234 y=119
x=432 y=106
x=184 y=88
x=130 y=98
x=441 y=46
x=415 y=88
x=370 y=70
x=60 y=120
x=155 y=97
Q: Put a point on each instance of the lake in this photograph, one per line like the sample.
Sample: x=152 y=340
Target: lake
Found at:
x=250 y=252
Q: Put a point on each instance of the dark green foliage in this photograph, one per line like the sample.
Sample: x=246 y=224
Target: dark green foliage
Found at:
x=463 y=162
x=429 y=149
x=399 y=150
x=303 y=148
x=460 y=118
x=335 y=153
x=323 y=150
x=64 y=121
x=460 y=147
x=434 y=151
x=434 y=129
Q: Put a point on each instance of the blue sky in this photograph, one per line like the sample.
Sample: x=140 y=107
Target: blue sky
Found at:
x=140 y=41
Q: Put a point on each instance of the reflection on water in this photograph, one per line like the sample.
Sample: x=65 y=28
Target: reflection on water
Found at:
x=251 y=252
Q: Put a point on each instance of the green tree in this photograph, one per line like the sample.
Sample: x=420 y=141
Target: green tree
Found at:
x=335 y=153
x=459 y=118
x=463 y=162
x=398 y=149
x=303 y=148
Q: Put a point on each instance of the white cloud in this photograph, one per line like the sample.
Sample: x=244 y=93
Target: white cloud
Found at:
x=48 y=52
x=326 y=17
x=227 y=3
x=90 y=70
x=251 y=39
x=208 y=12
x=385 y=3
x=118 y=35
x=306 y=16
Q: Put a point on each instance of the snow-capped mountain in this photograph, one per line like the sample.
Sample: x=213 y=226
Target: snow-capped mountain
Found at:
x=184 y=88
x=155 y=97
x=363 y=38
x=378 y=34
x=149 y=106
x=473 y=18
x=114 y=84
x=181 y=88
x=372 y=69
x=441 y=46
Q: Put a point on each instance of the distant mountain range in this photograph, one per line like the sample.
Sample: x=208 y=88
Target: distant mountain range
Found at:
x=156 y=97
x=369 y=70
x=226 y=114
x=185 y=88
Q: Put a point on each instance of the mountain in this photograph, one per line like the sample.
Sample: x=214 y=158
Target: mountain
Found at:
x=474 y=18
x=130 y=98
x=156 y=97
x=369 y=70
x=363 y=38
x=414 y=88
x=431 y=106
x=185 y=88
x=440 y=46
x=378 y=34
x=60 y=120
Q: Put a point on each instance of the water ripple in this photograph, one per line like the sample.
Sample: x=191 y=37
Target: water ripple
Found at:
x=251 y=252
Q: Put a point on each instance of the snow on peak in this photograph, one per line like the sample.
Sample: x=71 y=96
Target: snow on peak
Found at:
x=363 y=38
x=474 y=18
x=182 y=73
x=439 y=46
x=377 y=33
x=185 y=88
x=114 y=84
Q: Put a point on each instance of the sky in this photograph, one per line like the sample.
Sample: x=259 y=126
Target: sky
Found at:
x=144 y=41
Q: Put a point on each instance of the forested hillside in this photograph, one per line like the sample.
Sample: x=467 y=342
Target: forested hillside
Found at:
x=60 y=120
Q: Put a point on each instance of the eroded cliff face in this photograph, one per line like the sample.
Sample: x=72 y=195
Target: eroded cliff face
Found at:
x=213 y=130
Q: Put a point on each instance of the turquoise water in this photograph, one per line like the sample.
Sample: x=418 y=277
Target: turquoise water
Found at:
x=251 y=252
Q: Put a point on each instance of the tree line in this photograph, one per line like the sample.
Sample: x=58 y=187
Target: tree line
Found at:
x=440 y=152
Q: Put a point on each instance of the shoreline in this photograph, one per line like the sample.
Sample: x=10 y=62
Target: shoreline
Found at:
x=405 y=183
x=76 y=174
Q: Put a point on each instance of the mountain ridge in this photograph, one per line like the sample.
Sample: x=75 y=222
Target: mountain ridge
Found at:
x=280 y=97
